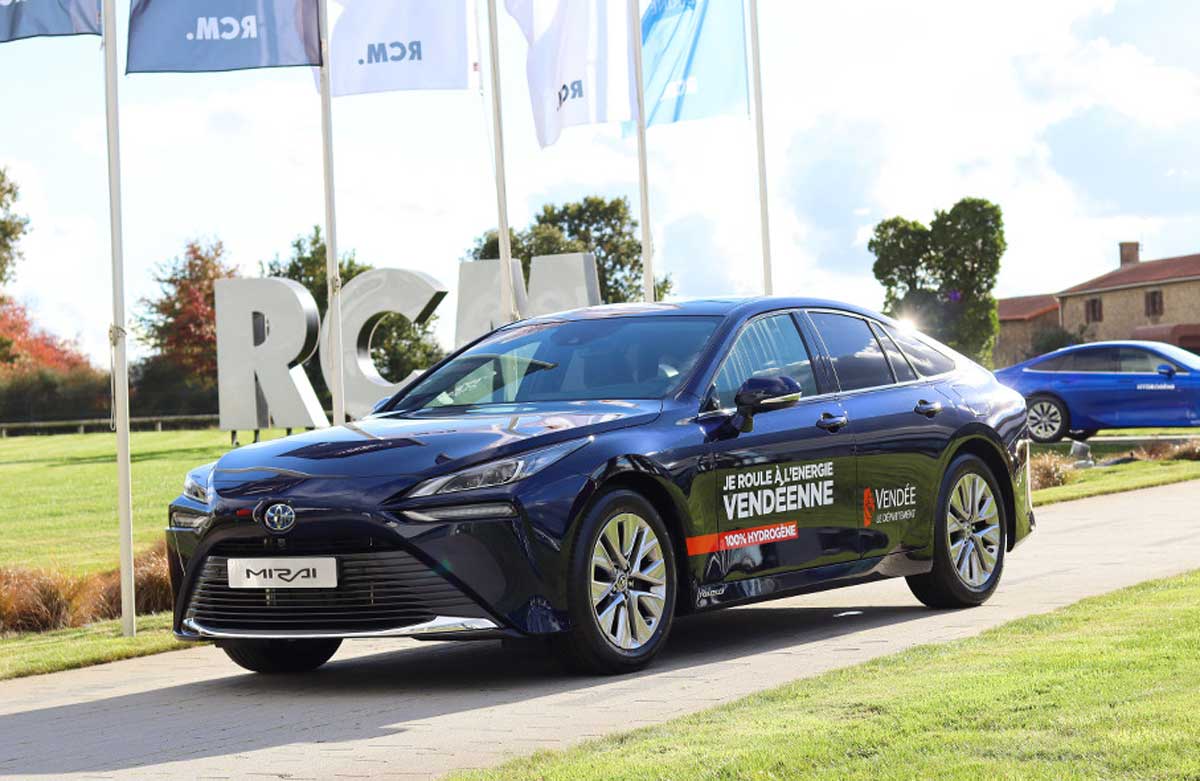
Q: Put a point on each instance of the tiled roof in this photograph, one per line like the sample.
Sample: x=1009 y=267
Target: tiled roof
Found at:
x=1026 y=307
x=1147 y=272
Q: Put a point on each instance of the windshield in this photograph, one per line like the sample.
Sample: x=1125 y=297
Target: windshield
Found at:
x=609 y=358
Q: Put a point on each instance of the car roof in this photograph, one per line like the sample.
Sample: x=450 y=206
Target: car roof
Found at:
x=722 y=307
x=1163 y=348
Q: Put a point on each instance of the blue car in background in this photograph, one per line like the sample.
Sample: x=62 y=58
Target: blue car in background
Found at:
x=1079 y=390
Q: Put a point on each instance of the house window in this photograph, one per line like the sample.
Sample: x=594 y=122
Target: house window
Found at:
x=1154 y=303
x=1093 y=310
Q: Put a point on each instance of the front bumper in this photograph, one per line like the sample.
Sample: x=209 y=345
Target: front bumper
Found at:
x=396 y=578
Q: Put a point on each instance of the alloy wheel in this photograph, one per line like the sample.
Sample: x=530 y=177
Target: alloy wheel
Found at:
x=973 y=530
x=1045 y=419
x=629 y=587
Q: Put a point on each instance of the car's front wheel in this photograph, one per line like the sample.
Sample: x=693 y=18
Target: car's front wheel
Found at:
x=281 y=656
x=622 y=586
x=969 y=539
x=1048 y=419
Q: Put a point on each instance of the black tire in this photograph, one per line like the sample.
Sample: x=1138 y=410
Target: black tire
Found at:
x=1084 y=435
x=1054 y=412
x=281 y=656
x=585 y=647
x=943 y=587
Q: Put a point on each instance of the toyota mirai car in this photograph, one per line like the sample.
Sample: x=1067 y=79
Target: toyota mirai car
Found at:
x=587 y=477
x=1076 y=391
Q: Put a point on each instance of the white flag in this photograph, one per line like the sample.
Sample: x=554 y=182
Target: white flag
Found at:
x=384 y=45
x=579 y=64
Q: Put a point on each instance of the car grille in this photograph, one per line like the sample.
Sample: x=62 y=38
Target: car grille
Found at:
x=376 y=591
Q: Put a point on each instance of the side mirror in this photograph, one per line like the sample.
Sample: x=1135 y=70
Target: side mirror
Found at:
x=1166 y=370
x=762 y=394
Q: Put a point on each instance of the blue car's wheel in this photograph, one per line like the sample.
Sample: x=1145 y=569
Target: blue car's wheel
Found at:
x=1048 y=419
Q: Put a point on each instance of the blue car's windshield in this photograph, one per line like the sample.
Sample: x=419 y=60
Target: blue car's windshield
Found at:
x=604 y=358
x=1188 y=360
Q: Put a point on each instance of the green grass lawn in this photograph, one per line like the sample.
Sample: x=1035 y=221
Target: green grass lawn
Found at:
x=1112 y=479
x=1107 y=688
x=64 y=649
x=59 y=499
x=1184 y=431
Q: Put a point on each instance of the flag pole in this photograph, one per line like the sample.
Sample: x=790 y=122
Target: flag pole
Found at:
x=507 y=314
x=763 y=211
x=332 y=273
x=635 y=35
x=116 y=332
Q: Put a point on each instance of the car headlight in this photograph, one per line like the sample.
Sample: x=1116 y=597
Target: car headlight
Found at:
x=500 y=472
x=197 y=486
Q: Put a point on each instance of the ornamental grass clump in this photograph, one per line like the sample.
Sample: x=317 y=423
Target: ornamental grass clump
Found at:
x=1188 y=451
x=34 y=600
x=1050 y=469
x=37 y=600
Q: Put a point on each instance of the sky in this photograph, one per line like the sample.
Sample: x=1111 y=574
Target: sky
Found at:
x=1080 y=118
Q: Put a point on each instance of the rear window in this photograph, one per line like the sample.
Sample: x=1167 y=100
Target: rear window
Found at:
x=927 y=360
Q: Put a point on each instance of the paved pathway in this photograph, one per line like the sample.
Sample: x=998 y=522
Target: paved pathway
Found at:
x=403 y=709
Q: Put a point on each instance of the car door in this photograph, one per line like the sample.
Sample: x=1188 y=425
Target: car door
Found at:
x=901 y=425
x=1153 y=399
x=784 y=492
x=1093 y=387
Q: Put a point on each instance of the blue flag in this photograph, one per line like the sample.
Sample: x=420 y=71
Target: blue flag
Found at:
x=221 y=35
x=693 y=60
x=31 y=18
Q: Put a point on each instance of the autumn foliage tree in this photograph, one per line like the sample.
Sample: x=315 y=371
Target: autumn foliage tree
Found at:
x=180 y=323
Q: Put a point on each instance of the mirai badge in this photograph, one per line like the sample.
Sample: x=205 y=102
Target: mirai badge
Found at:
x=279 y=518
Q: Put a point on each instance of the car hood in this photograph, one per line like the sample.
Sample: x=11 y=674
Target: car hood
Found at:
x=395 y=444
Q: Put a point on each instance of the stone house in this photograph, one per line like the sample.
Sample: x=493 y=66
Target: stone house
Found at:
x=1020 y=319
x=1156 y=300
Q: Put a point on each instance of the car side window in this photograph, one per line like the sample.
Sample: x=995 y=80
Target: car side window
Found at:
x=1135 y=361
x=767 y=347
x=1097 y=359
x=928 y=361
x=858 y=360
x=1059 y=363
x=900 y=366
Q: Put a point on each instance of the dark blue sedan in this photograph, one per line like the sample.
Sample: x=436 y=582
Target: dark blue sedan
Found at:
x=1082 y=389
x=587 y=477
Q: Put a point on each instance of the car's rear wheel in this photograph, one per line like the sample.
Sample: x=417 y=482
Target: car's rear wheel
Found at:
x=970 y=537
x=281 y=656
x=1048 y=419
x=622 y=586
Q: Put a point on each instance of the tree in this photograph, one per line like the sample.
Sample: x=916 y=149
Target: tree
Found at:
x=942 y=276
x=1051 y=338
x=12 y=227
x=397 y=345
x=29 y=347
x=602 y=227
x=180 y=324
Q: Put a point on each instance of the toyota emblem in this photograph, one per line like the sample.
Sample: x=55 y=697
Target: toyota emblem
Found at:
x=279 y=518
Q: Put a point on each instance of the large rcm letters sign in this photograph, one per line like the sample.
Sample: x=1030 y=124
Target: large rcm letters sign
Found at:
x=267 y=328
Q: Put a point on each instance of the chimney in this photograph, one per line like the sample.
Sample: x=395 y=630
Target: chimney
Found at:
x=1130 y=253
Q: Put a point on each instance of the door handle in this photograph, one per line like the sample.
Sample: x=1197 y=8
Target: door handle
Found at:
x=832 y=423
x=928 y=408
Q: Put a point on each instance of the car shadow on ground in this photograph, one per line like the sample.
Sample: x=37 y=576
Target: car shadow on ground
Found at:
x=378 y=694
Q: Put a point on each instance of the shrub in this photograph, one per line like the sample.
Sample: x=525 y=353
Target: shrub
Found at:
x=100 y=596
x=1049 y=470
x=34 y=600
x=1188 y=451
x=1155 y=450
